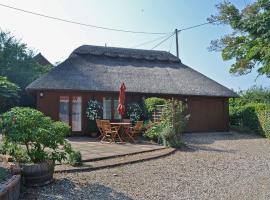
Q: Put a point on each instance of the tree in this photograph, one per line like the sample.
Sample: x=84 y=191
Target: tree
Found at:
x=249 y=44
x=18 y=65
x=8 y=94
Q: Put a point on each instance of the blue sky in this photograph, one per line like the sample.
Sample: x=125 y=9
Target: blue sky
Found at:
x=56 y=39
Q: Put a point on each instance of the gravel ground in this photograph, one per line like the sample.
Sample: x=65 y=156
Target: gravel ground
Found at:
x=213 y=166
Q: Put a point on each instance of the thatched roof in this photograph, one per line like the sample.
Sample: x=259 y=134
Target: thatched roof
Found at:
x=95 y=68
x=40 y=59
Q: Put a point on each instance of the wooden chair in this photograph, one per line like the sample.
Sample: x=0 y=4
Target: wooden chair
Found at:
x=110 y=132
x=136 y=130
x=99 y=126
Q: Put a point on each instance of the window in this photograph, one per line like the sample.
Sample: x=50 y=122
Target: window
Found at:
x=116 y=114
x=76 y=113
x=107 y=104
x=64 y=109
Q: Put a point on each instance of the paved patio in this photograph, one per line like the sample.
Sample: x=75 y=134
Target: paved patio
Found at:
x=91 y=149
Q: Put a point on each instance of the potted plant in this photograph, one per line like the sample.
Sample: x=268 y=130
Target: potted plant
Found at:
x=134 y=112
x=93 y=112
x=35 y=141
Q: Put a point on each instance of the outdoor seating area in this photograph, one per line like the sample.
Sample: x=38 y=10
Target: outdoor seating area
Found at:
x=118 y=131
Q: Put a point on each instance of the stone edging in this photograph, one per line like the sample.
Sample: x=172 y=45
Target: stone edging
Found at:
x=10 y=190
x=115 y=164
x=121 y=155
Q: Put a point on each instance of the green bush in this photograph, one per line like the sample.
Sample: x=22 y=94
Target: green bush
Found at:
x=9 y=94
x=154 y=132
x=174 y=120
x=19 y=154
x=41 y=137
x=151 y=103
x=75 y=158
x=253 y=116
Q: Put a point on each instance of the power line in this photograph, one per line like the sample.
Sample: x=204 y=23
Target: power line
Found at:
x=82 y=24
x=171 y=45
x=195 y=26
x=150 y=41
x=162 y=41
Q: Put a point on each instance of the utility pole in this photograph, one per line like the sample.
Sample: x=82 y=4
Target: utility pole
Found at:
x=176 y=40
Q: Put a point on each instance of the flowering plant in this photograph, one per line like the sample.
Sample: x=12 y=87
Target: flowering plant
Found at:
x=94 y=110
x=134 y=112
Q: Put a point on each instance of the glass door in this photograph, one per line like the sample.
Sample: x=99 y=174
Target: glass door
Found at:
x=64 y=109
x=76 y=113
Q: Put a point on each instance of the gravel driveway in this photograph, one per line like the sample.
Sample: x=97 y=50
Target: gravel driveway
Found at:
x=213 y=166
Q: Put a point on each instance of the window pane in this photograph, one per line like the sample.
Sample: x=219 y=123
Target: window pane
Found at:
x=64 y=109
x=107 y=108
x=76 y=113
x=116 y=114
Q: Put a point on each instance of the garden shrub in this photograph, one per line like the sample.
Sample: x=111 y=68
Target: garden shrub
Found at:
x=19 y=154
x=154 y=132
x=75 y=158
x=151 y=103
x=174 y=120
x=134 y=112
x=253 y=116
x=40 y=135
x=9 y=94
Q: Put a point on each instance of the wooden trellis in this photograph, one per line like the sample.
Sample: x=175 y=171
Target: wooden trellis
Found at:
x=158 y=113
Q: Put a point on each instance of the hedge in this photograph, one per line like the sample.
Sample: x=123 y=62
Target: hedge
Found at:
x=255 y=116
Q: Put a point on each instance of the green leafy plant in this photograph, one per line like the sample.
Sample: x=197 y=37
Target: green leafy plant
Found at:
x=174 y=120
x=19 y=154
x=17 y=63
x=254 y=116
x=94 y=110
x=151 y=103
x=175 y=113
x=75 y=158
x=248 y=44
x=9 y=94
x=134 y=112
x=41 y=137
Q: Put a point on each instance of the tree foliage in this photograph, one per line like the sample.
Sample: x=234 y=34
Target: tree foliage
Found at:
x=254 y=94
x=8 y=94
x=18 y=65
x=249 y=44
x=40 y=135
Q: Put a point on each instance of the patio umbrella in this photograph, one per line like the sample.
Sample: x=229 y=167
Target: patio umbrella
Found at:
x=121 y=105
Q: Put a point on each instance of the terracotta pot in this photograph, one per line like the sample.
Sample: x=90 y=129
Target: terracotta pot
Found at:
x=37 y=174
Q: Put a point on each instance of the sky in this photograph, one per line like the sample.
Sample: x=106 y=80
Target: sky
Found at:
x=56 y=40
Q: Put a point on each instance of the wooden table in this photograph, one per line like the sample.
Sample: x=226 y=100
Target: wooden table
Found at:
x=125 y=127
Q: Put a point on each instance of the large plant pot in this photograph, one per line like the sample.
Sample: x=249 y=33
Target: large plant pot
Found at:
x=37 y=174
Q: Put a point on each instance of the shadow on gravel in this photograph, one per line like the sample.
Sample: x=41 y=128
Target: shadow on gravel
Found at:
x=65 y=189
x=210 y=138
x=194 y=148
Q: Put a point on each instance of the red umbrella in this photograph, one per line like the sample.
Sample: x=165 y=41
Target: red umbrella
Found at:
x=121 y=105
